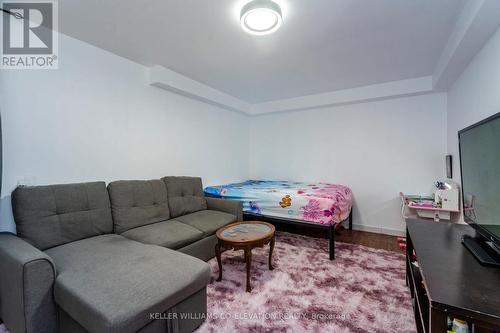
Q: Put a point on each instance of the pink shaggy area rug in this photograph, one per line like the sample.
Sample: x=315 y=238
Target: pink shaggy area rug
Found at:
x=362 y=290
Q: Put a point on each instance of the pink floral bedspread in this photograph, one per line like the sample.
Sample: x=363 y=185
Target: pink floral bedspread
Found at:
x=320 y=203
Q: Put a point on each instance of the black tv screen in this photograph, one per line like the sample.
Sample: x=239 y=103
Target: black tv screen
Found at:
x=480 y=170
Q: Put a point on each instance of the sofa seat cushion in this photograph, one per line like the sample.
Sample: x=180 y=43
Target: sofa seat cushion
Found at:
x=109 y=283
x=207 y=221
x=171 y=234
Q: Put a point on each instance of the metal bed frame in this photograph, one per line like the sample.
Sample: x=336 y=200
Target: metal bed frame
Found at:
x=278 y=220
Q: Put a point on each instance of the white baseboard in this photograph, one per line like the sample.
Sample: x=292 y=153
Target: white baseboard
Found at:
x=379 y=230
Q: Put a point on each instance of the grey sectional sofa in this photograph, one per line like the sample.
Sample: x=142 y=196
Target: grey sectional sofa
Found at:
x=125 y=258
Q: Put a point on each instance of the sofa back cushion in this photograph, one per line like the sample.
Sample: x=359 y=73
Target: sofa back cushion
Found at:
x=48 y=216
x=185 y=195
x=136 y=203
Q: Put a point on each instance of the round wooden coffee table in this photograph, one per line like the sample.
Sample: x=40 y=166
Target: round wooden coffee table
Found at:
x=244 y=236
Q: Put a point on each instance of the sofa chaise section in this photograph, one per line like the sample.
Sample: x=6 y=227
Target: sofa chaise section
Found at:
x=111 y=284
x=66 y=261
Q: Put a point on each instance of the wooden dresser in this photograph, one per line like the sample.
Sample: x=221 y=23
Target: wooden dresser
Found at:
x=445 y=280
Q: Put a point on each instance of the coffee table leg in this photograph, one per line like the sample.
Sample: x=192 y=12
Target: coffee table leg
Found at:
x=248 y=259
x=271 y=248
x=219 y=262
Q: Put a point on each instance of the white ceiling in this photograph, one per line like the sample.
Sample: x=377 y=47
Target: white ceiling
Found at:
x=323 y=45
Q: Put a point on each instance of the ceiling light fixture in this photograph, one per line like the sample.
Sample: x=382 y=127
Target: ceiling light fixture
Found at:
x=261 y=17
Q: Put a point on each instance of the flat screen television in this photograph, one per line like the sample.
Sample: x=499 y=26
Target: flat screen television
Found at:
x=480 y=172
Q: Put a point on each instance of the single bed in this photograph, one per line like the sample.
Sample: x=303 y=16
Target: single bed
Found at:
x=319 y=205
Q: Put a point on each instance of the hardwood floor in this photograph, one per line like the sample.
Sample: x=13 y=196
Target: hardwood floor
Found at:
x=370 y=239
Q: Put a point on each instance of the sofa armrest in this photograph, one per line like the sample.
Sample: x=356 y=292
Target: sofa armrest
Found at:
x=227 y=206
x=26 y=287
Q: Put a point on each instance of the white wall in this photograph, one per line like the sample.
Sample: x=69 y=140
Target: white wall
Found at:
x=95 y=118
x=378 y=149
x=474 y=96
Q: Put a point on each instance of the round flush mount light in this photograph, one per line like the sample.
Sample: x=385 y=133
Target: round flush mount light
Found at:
x=261 y=17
